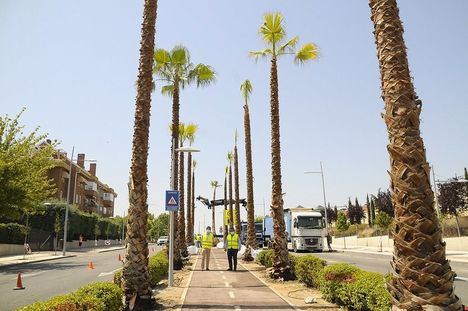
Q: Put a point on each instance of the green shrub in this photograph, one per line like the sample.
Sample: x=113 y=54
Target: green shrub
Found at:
x=118 y=278
x=12 y=233
x=158 y=267
x=265 y=258
x=307 y=269
x=110 y=294
x=356 y=289
x=70 y=302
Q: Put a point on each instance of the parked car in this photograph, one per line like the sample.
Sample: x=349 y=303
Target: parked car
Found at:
x=162 y=240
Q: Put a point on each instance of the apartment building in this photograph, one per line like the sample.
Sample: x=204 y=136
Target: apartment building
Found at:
x=86 y=190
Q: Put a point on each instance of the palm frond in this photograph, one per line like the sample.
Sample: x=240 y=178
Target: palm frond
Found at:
x=167 y=90
x=182 y=133
x=203 y=74
x=226 y=170
x=214 y=183
x=161 y=57
x=194 y=164
x=272 y=29
x=230 y=156
x=260 y=54
x=288 y=46
x=190 y=131
x=307 y=52
x=180 y=56
x=246 y=89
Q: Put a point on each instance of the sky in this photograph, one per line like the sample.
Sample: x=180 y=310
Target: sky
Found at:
x=73 y=65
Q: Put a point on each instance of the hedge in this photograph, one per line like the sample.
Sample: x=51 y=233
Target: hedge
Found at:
x=12 y=233
x=265 y=258
x=100 y=296
x=308 y=268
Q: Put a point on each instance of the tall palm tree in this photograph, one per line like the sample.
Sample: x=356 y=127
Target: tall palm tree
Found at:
x=214 y=184
x=135 y=274
x=246 y=90
x=236 y=186
x=274 y=35
x=226 y=170
x=194 y=165
x=191 y=130
x=424 y=279
x=230 y=157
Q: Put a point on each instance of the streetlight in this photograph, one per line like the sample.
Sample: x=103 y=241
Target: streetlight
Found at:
x=324 y=197
x=171 y=213
x=65 y=226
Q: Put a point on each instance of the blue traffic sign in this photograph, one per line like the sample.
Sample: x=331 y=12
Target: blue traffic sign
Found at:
x=172 y=200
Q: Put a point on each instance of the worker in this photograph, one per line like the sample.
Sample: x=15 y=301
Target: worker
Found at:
x=232 y=245
x=207 y=243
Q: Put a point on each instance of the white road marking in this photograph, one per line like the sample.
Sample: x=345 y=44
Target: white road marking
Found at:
x=227 y=284
x=28 y=275
x=221 y=272
x=224 y=277
x=108 y=273
x=231 y=294
x=460 y=278
x=237 y=308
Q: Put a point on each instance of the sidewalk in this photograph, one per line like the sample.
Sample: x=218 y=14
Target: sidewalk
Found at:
x=219 y=289
x=455 y=256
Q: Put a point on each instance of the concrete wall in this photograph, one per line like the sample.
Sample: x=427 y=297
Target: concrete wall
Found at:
x=11 y=249
x=91 y=244
x=453 y=244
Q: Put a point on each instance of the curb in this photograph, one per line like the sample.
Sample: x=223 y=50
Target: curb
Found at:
x=342 y=250
x=184 y=294
x=34 y=261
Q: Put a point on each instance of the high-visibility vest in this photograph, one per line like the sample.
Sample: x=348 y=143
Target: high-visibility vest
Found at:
x=207 y=240
x=232 y=241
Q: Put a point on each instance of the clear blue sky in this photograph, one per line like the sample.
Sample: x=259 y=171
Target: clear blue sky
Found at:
x=73 y=64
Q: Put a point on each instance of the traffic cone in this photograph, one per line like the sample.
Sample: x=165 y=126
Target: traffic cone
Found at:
x=19 y=283
x=120 y=258
x=91 y=265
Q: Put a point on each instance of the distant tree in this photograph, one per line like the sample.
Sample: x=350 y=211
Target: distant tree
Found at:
x=383 y=221
x=258 y=218
x=331 y=214
x=355 y=212
x=372 y=205
x=383 y=202
x=369 y=212
x=466 y=174
x=158 y=226
x=452 y=199
x=24 y=166
x=342 y=222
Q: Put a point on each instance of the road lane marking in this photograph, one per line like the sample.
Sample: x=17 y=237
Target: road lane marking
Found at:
x=222 y=272
x=108 y=273
x=227 y=284
x=237 y=308
x=224 y=277
x=231 y=294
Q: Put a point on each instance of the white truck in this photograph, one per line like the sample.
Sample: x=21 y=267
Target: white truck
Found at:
x=305 y=229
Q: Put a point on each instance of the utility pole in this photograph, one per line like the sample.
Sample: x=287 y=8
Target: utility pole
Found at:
x=65 y=226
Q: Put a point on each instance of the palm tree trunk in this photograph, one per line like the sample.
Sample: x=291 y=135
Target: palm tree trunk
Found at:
x=281 y=265
x=189 y=236
x=225 y=205
x=251 y=239
x=181 y=245
x=236 y=190
x=193 y=203
x=231 y=213
x=135 y=274
x=424 y=279
x=213 y=218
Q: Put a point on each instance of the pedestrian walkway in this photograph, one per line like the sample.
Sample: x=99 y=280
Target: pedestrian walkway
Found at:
x=219 y=289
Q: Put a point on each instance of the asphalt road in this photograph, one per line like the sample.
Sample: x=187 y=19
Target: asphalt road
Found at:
x=50 y=278
x=381 y=263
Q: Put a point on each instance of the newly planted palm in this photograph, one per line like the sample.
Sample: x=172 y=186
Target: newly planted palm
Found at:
x=274 y=36
x=176 y=71
x=236 y=186
x=194 y=166
x=246 y=90
x=423 y=278
x=190 y=132
x=135 y=274
x=230 y=157
x=214 y=184
x=226 y=170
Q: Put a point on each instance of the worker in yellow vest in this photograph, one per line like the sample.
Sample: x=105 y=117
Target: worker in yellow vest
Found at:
x=207 y=243
x=232 y=245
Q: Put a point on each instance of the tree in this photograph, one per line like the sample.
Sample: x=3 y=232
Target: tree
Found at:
x=230 y=157
x=135 y=275
x=258 y=219
x=369 y=211
x=236 y=186
x=342 y=224
x=417 y=232
x=372 y=205
x=159 y=226
x=214 y=184
x=194 y=165
x=359 y=212
x=383 y=221
x=331 y=214
x=24 y=166
x=226 y=170
x=451 y=198
x=251 y=243
x=466 y=174
x=274 y=35
x=383 y=202
x=190 y=132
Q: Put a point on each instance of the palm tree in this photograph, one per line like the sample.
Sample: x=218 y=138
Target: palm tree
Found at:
x=191 y=130
x=214 y=184
x=236 y=186
x=424 y=279
x=175 y=69
x=274 y=34
x=194 y=165
x=230 y=157
x=135 y=274
x=246 y=90
x=226 y=170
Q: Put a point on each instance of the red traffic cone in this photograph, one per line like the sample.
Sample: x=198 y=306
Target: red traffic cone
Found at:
x=91 y=265
x=19 y=283
x=120 y=258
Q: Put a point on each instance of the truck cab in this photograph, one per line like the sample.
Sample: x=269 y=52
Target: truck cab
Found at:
x=305 y=229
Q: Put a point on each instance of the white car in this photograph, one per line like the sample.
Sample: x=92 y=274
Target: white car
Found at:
x=162 y=240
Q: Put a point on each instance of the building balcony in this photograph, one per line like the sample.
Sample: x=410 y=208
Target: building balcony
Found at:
x=107 y=203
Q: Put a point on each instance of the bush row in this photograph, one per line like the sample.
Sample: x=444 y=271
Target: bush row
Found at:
x=158 y=266
x=12 y=233
x=343 y=284
x=100 y=296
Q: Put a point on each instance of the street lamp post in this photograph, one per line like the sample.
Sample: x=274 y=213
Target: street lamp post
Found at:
x=171 y=213
x=324 y=196
x=65 y=226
